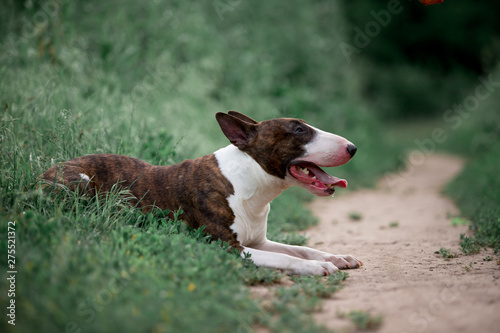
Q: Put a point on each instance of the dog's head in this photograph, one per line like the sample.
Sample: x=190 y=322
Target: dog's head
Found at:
x=290 y=149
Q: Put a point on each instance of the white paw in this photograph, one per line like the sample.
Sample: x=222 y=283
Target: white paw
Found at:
x=316 y=267
x=344 y=261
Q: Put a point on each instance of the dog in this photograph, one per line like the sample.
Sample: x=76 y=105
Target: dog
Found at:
x=229 y=192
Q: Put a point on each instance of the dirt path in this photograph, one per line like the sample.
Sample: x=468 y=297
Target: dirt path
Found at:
x=403 y=279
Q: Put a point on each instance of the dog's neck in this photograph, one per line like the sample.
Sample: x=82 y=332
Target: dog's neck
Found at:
x=253 y=188
x=251 y=183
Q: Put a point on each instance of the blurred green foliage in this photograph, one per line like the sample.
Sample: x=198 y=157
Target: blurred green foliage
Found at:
x=456 y=33
x=422 y=58
x=146 y=78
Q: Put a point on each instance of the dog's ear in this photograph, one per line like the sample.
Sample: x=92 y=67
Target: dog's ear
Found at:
x=238 y=131
x=242 y=117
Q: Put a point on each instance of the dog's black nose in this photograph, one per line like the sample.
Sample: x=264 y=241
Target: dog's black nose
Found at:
x=351 y=149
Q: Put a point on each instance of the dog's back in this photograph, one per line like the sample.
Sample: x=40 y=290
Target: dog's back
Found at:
x=195 y=186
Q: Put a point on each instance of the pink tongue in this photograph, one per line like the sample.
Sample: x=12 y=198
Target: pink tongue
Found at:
x=326 y=178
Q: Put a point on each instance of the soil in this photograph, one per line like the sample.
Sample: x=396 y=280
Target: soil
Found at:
x=395 y=230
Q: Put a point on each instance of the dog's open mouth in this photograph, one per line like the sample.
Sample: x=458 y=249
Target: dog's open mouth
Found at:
x=313 y=177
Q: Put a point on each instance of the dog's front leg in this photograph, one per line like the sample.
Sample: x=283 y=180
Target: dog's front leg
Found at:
x=340 y=261
x=290 y=264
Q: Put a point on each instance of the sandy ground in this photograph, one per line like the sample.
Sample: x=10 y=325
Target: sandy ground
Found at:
x=403 y=279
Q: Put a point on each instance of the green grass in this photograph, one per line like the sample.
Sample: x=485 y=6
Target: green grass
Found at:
x=293 y=303
x=476 y=190
x=394 y=224
x=363 y=320
x=355 y=216
x=447 y=254
x=318 y=286
x=455 y=221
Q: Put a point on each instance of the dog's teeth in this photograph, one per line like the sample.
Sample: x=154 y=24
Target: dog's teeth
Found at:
x=304 y=170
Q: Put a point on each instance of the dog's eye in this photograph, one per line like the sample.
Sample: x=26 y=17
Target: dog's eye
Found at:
x=299 y=129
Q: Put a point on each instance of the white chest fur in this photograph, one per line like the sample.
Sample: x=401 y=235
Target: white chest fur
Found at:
x=254 y=189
